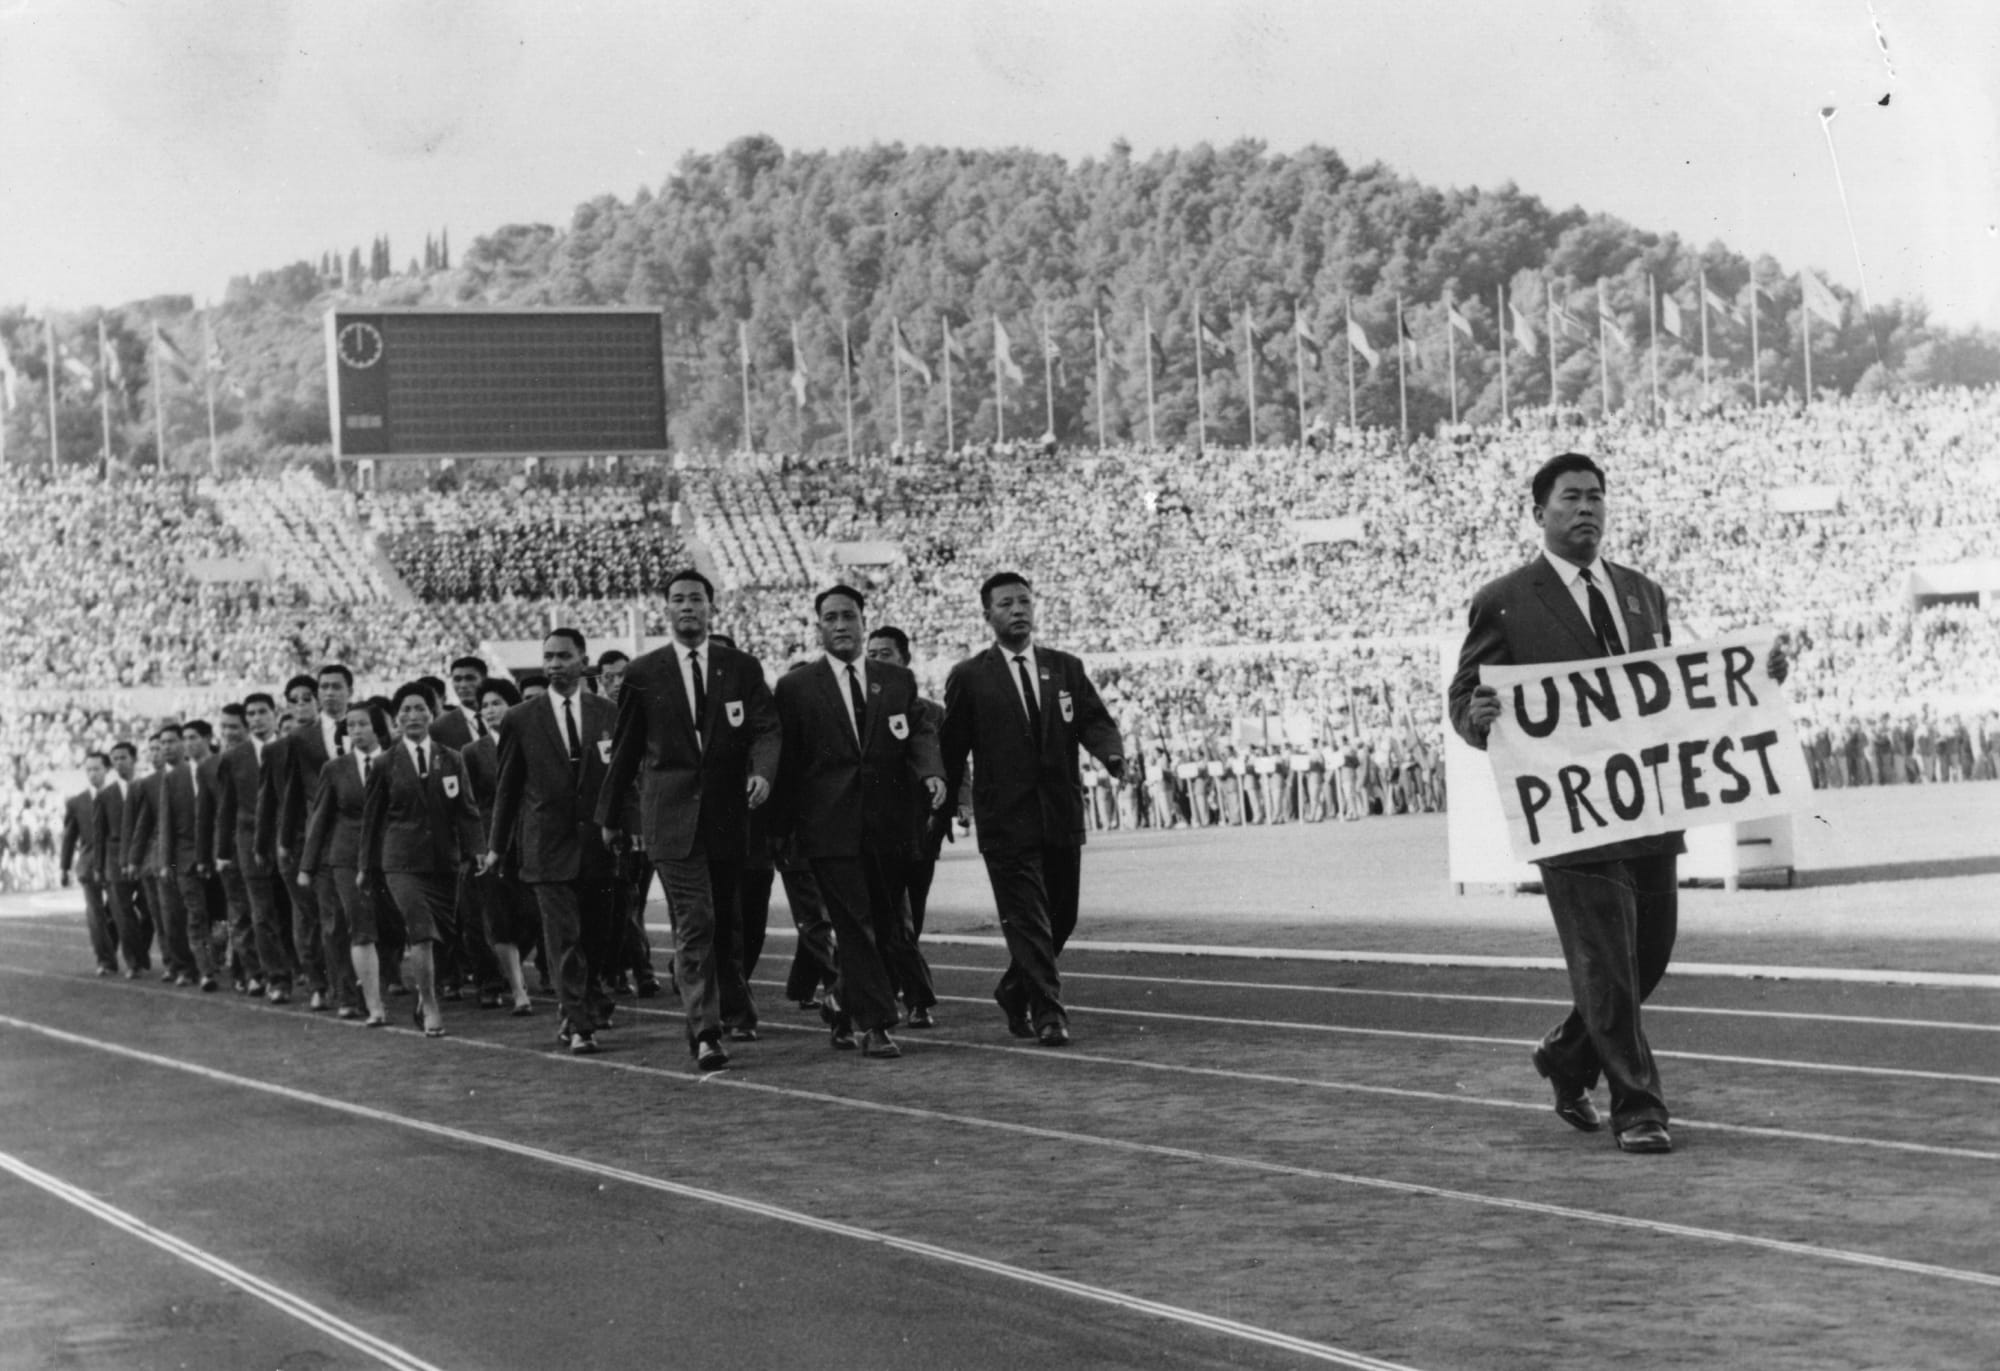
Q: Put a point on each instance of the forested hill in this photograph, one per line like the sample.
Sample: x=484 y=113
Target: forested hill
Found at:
x=942 y=238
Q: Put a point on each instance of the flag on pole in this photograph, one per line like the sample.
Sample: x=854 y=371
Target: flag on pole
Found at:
x=1408 y=340
x=1718 y=304
x=1051 y=354
x=1211 y=341
x=75 y=368
x=1524 y=331
x=1559 y=313
x=9 y=378
x=951 y=343
x=1819 y=299
x=1609 y=326
x=1003 y=352
x=176 y=360
x=1305 y=336
x=906 y=354
x=1458 y=321
x=1357 y=338
x=114 y=369
x=798 y=368
x=1670 y=314
x=1156 y=356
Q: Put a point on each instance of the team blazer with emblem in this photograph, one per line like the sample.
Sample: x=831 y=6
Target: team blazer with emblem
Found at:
x=1026 y=792
x=1527 y=618
x=545 y=809
x=426 y=824
x=79 y=836
x=843 y=795
x=108 y=822
x=690 y=787
x=238 y=781
x=333 y=829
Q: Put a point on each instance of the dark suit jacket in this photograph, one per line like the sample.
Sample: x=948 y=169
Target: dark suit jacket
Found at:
x=333 y=829
x=297 y=777
x=482 y=768
x=839 y=795
x=108 y=820
x=689 y=791
x=412 y=824
x=1528 y=617
x=238 y=782
x=544 y=809
x=79 y=835
x=209 y=807
x=453 y=728
x=1026 y=792
x=173 y=848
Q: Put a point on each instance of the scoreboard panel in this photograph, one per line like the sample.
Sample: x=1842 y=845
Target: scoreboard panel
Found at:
x=484 y=382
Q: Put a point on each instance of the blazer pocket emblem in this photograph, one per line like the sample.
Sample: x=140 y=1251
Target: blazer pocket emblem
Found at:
x=1068 y=706
x=899 y=726
x=451 y=787
x=1632 y=604
x=604 y=751
x=733 y=711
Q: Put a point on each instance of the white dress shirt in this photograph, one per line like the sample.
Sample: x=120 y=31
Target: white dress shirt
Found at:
x=683 y=654
x=1034 y=676
x=575 y=701
x=1572 y=579
x=840 y=669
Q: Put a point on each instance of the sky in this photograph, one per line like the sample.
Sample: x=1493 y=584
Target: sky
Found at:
x=163 y=146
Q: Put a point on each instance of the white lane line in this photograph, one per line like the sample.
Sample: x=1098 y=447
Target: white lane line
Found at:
x=1652 y=1007
x=306 y=1312
x=1132 y=1303
x=726 y=1080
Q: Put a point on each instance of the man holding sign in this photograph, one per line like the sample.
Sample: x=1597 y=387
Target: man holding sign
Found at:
x=1600 y=767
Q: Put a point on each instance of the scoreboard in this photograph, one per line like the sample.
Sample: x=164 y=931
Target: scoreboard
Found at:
x=495 y=383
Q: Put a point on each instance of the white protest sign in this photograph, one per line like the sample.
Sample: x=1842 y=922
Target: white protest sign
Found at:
x=1602 y=750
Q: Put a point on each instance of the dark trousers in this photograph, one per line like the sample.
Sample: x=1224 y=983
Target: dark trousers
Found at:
x=133 y=938
x=243 y=948
x=922 y=872
x=336 y=936
x=197 y=922
x=696 y=888
x=469 y=957
x=97 y=922
x=864 y=898
x=269 y=922
x=635 y=948
x=308 y=943
x=1035 y=891
x=813 y=965
x=1617 y=922
x=170 y=916
x=580 y=938
x=742 y=943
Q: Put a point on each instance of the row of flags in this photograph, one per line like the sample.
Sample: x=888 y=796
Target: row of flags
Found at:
x=109 y=369
x=1579 y=318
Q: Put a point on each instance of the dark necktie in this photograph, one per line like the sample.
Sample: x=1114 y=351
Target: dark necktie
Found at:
x=569 y=728
x=700 y=692
x=166 y=846
x=479 y=726
x=1028 y=696
x=1600 y=617
x=423 y=762
x=340 y=737
x=855 y=698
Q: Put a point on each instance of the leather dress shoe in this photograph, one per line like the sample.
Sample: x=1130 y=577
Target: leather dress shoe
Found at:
x=878 y=1043
x=843 y=1036
x=1645 y=1136
x=318 y=1001
x=922 y=1018
x=649 y=988
x=1573 y=1103
x=740 y=1033
x=1053 y=1035
x=709 y=1056
x=208 y=986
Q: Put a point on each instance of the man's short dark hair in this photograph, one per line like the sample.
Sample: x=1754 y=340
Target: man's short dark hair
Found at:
x=200 y=727
x=574 y=635
x=1559 y=466
x=236 y=712
x=409 y=688
x=90 y=757
x=468 y=664
x=167 y=731
x=610 y=657
x=337 y=669
x=819 y=600
x=896 y=636
x=530 y=679
x=259 y=697
x=690 y=574
x=435 y=687
x=309 y=684
x=125 y=747
x=501 y=686
x=997 y=580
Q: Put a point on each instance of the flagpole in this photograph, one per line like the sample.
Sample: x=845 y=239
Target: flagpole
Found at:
x=1451 y=353
x=1500 y=305
x=1048 y=373
x=55 y=365
x=208 y=372
x=1402 y=373
x=1200 y=396
x=1653 y=340
x=1805 y=330
x=1250 y=372
x=1702 y=277
x=1152 y=440
x=743 y=352
x=1353 y=414
x=104 y=389
x=950 y=438
x=1097 y=361
x=1299 y=369
x=1549 y=299
x=1756 y=364
x=159 y=411
x=999 y=395
x=1603 y=361
x=896 y=360
x=847 y=384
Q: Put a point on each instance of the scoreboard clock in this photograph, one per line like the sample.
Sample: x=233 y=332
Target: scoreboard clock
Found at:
x=495 y=383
